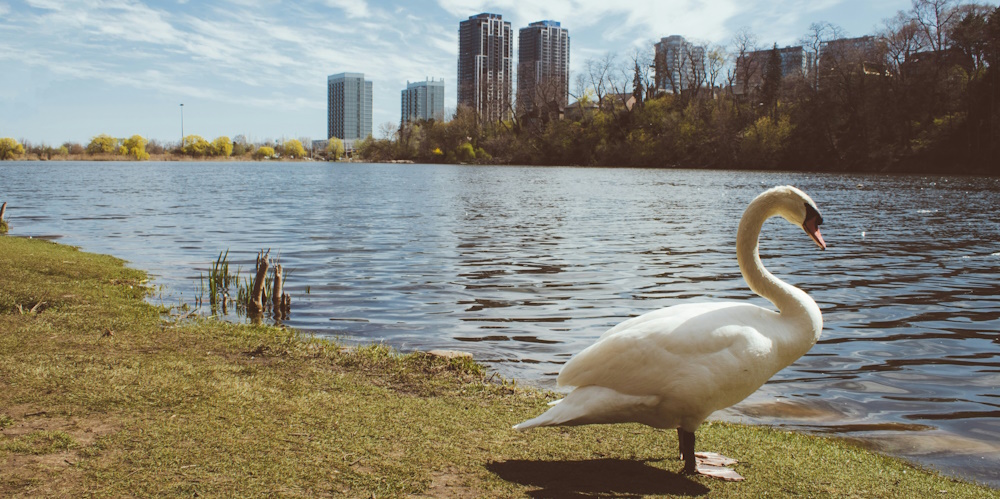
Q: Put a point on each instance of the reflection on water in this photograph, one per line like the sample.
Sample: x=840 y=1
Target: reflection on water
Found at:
x=526 y=266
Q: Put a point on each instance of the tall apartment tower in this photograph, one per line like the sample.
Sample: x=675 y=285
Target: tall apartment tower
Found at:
x=423 y=100
x=542 y=68
x=349 y=107
x=679 y=64
x=485 y=76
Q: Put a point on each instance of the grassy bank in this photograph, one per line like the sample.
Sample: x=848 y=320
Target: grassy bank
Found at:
x=103 y=394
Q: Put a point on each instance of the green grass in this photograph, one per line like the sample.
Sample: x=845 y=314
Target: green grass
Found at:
x=106 y=395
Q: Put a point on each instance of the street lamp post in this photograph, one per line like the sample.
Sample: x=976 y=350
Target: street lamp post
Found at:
x=182 y=125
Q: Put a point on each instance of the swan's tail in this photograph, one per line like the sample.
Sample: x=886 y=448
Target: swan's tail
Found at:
x=593 y=405
x=544 y=420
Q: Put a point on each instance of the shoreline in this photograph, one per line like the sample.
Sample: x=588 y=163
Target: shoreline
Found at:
x=110 y=395
x=173 y=158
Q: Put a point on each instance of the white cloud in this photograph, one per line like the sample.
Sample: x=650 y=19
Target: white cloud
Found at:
x=621 y=20
x=351 y=8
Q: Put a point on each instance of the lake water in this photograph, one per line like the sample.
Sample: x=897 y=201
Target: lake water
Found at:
x=525 y=266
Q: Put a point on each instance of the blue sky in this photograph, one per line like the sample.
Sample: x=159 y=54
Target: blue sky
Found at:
x=72 y=69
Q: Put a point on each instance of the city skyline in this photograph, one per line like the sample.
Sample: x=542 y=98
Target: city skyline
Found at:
x=76 y=69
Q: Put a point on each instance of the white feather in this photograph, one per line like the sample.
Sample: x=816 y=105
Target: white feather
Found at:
x=671 y=368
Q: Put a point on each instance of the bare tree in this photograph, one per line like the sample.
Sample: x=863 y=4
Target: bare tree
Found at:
x=715 y=62
x=387 y=131
x=747 y=67
x=935 y=17
x=903 y=37
x=598 y=75
x=819 y=34
x=643 y=84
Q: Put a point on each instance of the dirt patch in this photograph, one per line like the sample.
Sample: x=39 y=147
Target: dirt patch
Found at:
x=450 y=483
x=53 y=473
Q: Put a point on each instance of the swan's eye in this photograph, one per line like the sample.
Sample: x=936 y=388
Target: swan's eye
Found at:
x=812 y=214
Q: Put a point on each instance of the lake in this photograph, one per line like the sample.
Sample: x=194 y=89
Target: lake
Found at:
x=525 y=266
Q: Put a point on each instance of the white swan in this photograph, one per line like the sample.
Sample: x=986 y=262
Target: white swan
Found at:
x=673 y=367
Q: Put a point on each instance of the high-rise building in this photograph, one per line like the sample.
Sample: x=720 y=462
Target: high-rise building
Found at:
x=349 y=107
x=485 y=76
x=542 y=68
x=679 y=64
x=423 y=100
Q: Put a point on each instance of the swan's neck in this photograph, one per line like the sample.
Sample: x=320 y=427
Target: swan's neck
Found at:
x=793 y=303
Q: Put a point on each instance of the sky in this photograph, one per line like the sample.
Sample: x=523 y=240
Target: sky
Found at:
x=73 y=69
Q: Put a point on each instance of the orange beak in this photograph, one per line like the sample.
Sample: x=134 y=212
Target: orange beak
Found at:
x=811 y=227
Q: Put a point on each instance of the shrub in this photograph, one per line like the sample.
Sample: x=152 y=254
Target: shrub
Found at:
x=264 y=152
x=102 y=144
x=222 y=146
x=10 y=148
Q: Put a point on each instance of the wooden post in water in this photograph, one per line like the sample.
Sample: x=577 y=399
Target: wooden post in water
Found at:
x=256 y=305
x=3 y=208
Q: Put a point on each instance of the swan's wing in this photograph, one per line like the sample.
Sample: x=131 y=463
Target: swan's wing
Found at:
x=676 y=352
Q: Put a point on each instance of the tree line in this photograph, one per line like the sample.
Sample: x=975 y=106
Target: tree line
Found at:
x=138 y=148
x=920 y=95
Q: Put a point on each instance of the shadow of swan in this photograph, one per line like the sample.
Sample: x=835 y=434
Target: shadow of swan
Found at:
x=595 y=477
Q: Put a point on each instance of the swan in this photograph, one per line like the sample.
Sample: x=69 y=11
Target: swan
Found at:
x=673 y=367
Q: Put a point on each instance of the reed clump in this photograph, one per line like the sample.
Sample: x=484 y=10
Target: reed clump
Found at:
x=255 y=292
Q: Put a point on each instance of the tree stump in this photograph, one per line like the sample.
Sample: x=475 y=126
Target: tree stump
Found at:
x=256 y=305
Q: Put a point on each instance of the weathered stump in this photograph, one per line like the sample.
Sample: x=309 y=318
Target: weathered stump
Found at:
x=256 y=304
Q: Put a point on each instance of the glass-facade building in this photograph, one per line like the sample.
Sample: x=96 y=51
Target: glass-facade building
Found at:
x=349 y=107
x=423 y=100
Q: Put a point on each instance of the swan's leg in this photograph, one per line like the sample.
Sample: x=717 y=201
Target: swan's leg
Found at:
x=686 y=442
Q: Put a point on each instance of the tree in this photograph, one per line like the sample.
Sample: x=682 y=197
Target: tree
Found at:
x=264 y=152
x=335 y=148
x=222 y=146
x=241 y=146
x=772 y=82
x=970 y=37
x=764 y=141
x=196 y=146
x=135 y=147
x=102 y=144
x=465 y=153
x=293 y=149
x=10 y=149
x=74 y=148
x=935 y=18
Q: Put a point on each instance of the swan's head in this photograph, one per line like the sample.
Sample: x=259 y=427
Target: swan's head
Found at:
x=798 y=208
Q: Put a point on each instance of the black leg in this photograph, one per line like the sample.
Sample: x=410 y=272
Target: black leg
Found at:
x=686 y=442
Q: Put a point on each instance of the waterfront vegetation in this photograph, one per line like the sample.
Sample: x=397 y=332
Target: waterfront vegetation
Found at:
x=108 y=395
x=922 y=94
